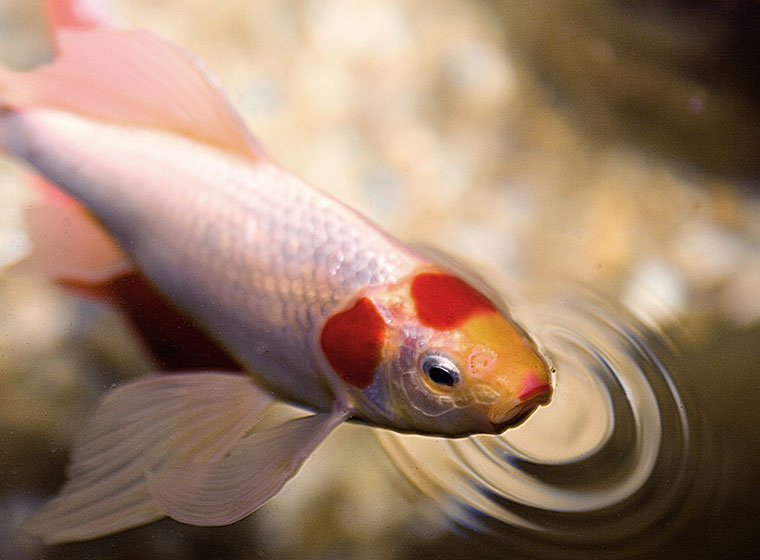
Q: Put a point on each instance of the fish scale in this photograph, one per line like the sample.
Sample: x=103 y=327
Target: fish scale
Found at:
x=288 y=255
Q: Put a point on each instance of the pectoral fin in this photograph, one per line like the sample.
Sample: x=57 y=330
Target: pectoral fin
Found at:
x=253 y=471
x=140 y=428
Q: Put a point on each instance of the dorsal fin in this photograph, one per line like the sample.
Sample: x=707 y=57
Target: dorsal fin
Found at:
x=132 y=77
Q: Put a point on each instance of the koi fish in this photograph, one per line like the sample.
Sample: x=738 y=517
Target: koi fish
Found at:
x=317 y=305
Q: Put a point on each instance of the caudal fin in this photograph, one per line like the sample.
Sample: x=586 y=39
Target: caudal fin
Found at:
x=79 y=14
x=67 y=14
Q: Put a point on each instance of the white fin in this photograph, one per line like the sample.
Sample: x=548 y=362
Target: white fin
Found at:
x=67 y=242
x=131 y=77
x=255 y=469
x=139 y=428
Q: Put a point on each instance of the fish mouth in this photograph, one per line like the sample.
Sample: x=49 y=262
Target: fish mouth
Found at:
x=516 y=411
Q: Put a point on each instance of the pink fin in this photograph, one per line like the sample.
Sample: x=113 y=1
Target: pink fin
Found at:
x=78 y=14
x=133 y=78
x=67 y=242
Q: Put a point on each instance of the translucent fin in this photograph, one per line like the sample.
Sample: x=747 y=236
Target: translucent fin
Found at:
x=255 y=469
x=67 y=242
x=78 y=14
x=138 y=428
x=134 y=78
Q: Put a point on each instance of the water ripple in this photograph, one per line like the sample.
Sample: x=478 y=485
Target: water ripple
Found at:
x=607 y=467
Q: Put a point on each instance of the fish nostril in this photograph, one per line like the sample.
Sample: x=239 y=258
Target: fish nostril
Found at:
x=481 y=362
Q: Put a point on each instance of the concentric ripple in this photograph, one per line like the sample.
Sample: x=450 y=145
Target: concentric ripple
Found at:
x=604 y=468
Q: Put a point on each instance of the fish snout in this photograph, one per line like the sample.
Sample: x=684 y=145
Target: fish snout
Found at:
x=533 y=393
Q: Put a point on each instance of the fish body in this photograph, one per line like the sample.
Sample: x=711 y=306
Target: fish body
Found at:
x=253 y=254
x=316 y=303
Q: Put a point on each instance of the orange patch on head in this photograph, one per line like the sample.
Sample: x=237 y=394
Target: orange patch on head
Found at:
x=443 y=301
x=352 y=341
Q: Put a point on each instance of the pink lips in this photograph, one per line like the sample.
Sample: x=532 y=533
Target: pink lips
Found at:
x=533 y=393
x=532 y=386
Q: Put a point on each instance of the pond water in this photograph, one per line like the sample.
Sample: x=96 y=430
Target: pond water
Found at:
x=625 y=462
x=599 y=165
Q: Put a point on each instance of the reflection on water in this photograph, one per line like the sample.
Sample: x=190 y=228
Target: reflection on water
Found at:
x=619 y=464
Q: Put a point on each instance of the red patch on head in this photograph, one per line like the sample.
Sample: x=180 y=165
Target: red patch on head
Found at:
x=352 y=341
x=443 y=301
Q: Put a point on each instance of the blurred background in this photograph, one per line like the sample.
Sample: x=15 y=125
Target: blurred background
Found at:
x=609 y=147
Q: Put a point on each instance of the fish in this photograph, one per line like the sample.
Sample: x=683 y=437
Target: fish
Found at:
x=304 y=300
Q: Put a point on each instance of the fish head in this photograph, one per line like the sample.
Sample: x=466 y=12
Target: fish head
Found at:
x=462 y=365
x=445 y=359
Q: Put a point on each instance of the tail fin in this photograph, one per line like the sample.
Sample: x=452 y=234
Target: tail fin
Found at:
x=78 y=14
x=130 y=77
x=67 y=14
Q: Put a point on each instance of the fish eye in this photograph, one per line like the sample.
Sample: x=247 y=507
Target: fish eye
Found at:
x=440 y=369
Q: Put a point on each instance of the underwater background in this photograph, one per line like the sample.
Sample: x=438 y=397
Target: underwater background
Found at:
x=598 y=161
